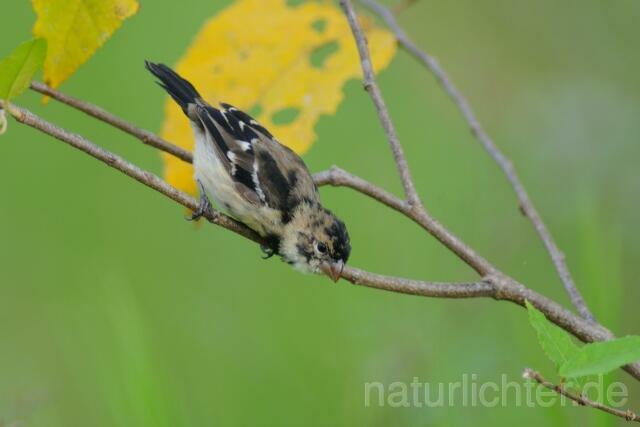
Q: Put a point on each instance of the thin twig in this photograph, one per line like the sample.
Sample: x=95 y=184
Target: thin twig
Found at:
x=425 y=220
x=505 y=287
x=526 y=205
x=147 y=178
x=483 y=289
x=582 y=400
x=354 y=275
x=374 y=91
x=99 y=113
x=496 y=285
x=339 y=177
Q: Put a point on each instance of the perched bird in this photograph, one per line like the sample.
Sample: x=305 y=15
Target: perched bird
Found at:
x=258 y=181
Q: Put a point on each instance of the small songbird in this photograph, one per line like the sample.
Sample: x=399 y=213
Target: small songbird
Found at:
x=258 y=181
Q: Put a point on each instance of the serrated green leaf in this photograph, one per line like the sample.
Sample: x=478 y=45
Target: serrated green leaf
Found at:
x=17 y=70
x=602 y=357
x=555 y=342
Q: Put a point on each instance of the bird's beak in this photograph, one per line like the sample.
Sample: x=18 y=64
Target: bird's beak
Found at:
x=333 y=269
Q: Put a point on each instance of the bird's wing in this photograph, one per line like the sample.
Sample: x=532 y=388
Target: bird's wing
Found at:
x=265 y=172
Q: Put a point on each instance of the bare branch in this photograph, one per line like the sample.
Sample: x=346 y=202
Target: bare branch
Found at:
x=147 y=178
x=504 y=287
x=495 y=285
x=145 y=136
x=383 y=114
x=334 y=176
x=418 y=287
x=526 y=205
x=582 y=400
x=340 y=178
x=418 y=214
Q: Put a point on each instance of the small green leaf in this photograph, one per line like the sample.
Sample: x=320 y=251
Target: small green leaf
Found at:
x=555 y=342
x=602 y=357
x=17 y=70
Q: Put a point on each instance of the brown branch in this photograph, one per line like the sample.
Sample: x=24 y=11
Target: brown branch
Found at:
x=418 y=287
x=418 y=214
x=505 y=287
x=582 y=400
x=526 y=205
x=92 y=110
x=354 y=275
x=334 y=176
x=502 y=286
x=147 y=178
x=495 y=285
x=372 y=88
x=341 y=178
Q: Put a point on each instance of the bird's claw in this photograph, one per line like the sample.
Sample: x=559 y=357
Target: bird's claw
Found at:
x=204 y=206
x=267 y=251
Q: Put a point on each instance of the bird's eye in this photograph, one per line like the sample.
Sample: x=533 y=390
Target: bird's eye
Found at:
x=321 y=248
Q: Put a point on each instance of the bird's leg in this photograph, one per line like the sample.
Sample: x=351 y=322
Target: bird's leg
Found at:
x=204 y=205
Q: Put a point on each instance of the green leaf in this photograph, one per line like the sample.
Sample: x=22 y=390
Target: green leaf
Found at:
x=555 y=342
x=17 y=70
x=602 y=357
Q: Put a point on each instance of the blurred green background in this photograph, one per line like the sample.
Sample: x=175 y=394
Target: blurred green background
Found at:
x=116 y=311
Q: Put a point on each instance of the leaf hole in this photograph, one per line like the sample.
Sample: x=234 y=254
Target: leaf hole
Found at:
x=319 y=25
x=320 y=54
x=285 y=116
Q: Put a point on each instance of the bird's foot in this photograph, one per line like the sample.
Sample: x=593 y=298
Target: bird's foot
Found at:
x=270 y=246
x=267 y=251
x=204 y=206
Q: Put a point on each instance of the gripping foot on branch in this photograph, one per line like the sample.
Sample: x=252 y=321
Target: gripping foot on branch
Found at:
x=270 y=247
x=204 y=206
x=267 y=251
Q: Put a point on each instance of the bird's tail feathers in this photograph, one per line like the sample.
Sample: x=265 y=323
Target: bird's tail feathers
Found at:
x=180 y=89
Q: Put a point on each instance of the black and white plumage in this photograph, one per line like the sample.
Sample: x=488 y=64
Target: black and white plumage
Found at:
x=260 y=182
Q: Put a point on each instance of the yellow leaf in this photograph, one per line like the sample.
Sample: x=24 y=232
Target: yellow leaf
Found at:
x=74 y=29
x=284 y=65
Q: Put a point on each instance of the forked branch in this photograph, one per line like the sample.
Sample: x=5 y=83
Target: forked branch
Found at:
x=526 y=205
x=492 y=283
x=496 y=286
x=92 y=110
x=371 y=86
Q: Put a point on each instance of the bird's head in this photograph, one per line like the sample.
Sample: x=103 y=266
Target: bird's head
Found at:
x=316 y=241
